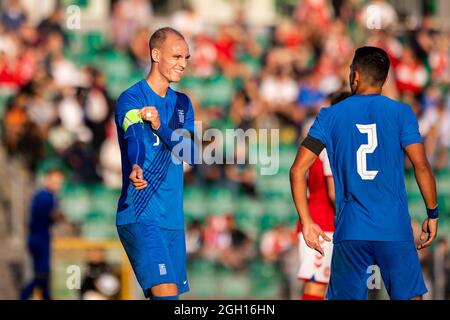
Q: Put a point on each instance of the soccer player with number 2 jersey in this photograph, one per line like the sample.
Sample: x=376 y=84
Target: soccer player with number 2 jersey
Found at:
x=366 y=137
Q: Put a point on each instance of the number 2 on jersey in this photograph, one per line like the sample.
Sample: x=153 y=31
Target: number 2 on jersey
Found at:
x=364 y=149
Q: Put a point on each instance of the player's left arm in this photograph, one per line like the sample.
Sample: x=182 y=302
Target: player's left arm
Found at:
x=412 y=143
x=427 y=185
x=179 y=140
x=305 y=158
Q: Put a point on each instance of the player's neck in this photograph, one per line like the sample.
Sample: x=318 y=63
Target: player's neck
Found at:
x=368 y=90
x=158 y=83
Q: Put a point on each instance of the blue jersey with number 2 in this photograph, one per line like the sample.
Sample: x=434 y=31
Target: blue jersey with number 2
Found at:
x=365 y=137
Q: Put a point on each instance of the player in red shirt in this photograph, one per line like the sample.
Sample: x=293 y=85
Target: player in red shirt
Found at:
x=314 y=268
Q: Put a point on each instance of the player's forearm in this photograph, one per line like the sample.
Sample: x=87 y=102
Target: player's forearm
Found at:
x=179 y=141
x=427 y=184
x=135 y=145
x=299 y=194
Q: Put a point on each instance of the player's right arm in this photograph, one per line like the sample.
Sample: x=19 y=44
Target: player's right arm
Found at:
x=303 y=162
x=427 y=185
x=129 y=119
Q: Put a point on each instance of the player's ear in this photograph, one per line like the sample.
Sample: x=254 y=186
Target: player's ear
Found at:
x=356 y=76
x=155 y=55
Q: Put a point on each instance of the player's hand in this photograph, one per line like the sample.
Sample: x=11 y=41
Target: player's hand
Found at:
x=429 y=233
x=151 y=115
x=137 y=178
x=312 y=233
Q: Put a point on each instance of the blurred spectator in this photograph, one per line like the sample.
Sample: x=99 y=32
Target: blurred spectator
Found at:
x=139 y=50
x=314 y=13
x=188 y=22
x=240 y=173
x=247 y=106
x=12 y=15
x=439 y=59
x=97 y=105
x=128 y=16
x=44 y=212
x=81 y=159
x=14 y=122
x=109 y=160
x=237 y=255
x=310 y=97
x=275 y=242
x=435 y=125
x=51 y=24
x=100 y=281
x=410 y=73
x=225 y=243
x=441 y=270
x=279 y=90
x=204 y=56
x=194 y=239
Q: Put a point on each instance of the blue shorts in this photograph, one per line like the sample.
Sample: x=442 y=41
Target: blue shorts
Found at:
x=353 y=271
x=157 y=255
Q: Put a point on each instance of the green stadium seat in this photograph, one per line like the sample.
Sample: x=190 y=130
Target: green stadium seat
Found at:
x=219 y=91
x=194 y=203
x=443 y=184
x=247 y=223
x=250 y=206
x=104 y=200
x=416 y=208
x=220 y=201
x=4 y=97
x=202 y=273
x=280 y=208
x=75 y=202
x=233 y=285
x=265 y=280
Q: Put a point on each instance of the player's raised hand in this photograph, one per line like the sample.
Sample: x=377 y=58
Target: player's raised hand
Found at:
x=429 y=233
x=151 y=115
x=311 y=234
x=137 y=178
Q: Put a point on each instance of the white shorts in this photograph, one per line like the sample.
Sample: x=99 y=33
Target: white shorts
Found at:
x=314 y=267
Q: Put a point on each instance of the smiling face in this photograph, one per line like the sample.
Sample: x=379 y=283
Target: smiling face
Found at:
x=171 y=58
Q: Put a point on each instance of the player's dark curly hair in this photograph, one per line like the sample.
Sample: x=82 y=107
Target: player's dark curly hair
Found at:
x=373 y=64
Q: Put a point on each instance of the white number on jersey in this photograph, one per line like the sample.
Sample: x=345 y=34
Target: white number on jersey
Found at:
x=157 y=140
x=364 y=149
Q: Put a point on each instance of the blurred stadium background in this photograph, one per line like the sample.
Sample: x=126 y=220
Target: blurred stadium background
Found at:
x=255 y=63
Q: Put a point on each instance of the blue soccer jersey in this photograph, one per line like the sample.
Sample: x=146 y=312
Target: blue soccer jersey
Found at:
x=365 y=136
x=161 y=202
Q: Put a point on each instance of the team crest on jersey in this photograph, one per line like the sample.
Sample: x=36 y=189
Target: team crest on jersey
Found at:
x=181 y=116
x=162 y=269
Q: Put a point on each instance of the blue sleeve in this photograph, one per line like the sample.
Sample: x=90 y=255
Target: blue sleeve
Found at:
x=135 y=144
x=181 y=142
x=318 y=128
x=128 y=119
x=410 y=128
